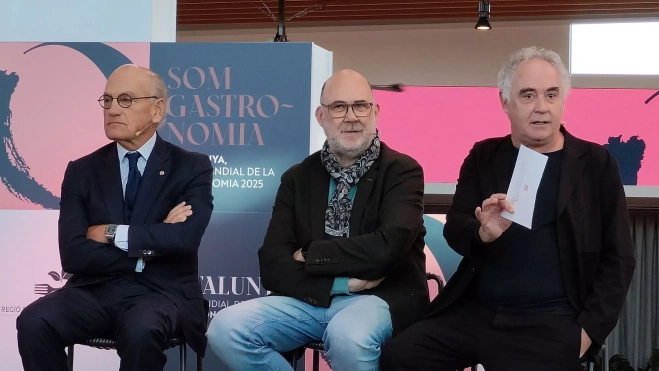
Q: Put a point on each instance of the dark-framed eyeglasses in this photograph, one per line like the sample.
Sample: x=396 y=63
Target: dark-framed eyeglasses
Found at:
x=340 y=110
x=124 y=100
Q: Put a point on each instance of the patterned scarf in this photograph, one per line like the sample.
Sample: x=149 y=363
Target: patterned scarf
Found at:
x=337 y=216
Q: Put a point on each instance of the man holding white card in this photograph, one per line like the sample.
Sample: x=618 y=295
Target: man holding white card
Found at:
x=540 y=218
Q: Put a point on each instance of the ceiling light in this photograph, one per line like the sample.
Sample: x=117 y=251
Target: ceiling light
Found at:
x=483 y=16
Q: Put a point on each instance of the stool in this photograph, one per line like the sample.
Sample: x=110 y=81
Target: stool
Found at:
x=108 y=344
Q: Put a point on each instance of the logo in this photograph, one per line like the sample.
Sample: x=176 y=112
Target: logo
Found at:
x=45 y=288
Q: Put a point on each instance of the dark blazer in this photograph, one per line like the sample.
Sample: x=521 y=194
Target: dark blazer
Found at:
x=92 y=195
x=594 y=237
x=386 y=236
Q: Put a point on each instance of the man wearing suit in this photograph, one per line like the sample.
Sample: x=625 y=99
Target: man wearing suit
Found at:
x=131 y=219
x=343 y=253
x=528 y=299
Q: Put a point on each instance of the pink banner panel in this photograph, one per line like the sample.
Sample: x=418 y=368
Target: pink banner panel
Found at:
x=439 y=125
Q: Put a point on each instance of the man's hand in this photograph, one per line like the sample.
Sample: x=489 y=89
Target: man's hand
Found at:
x=179 y=213
x=489 y=214
x=356 y=285
x=585 y=343
x=298 y=256
x=97 y=233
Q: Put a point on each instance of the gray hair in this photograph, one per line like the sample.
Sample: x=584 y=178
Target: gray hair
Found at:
x=505 y=78
x=160 y=91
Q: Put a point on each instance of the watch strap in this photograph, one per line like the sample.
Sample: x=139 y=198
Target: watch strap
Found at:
x=110 y=233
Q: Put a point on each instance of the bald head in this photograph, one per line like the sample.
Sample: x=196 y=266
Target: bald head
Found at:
x=346 y=79
x=348 y=115
x=134 y=105
x=148 y=81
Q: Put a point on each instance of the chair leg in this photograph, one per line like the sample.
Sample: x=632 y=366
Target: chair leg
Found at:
x=183 y=356
x=295 y=357
x=69 y=357
x=200 y=361
x=316 y=360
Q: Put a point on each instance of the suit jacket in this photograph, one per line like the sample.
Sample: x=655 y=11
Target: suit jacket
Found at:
x=92 y=195
x=386 y=236
x=594 y=238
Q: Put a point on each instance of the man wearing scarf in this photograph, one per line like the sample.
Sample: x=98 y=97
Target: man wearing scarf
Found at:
x=343 y=254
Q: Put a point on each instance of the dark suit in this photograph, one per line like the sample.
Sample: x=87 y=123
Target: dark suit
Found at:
x=386 y=236
x=594 y=241
x=104 y=285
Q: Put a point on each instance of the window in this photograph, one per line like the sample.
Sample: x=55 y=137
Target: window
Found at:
x=614 y=48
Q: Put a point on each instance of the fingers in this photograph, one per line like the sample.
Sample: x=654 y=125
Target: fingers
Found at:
x=179 y=213
x=298 y=256
x=507 y=205
x=356 y=285
x=179 y=207
x=373 y=283
x=493 y=200
x=498 y=199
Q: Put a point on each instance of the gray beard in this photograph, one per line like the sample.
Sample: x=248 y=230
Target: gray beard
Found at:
x=348 y=154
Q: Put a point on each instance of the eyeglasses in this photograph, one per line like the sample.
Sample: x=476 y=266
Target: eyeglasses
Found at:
x=124 y=100
x=340 y=110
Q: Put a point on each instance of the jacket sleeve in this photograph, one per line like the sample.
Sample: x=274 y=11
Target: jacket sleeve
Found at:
x=373 y=255
x=280 y=272
x=617 y=259
x=461 y=228
x=78 y=254
x=179 y=238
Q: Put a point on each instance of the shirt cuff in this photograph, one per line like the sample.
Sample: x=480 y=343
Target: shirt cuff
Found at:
x=340 y=286
x=140 y=265
x=121 y=237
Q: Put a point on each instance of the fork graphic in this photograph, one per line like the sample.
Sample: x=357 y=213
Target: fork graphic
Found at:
x=43 y=289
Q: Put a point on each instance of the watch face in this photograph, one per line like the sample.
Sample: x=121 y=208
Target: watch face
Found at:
x=110 y=230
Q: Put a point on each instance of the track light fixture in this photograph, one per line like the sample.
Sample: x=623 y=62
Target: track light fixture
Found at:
x=483 y=16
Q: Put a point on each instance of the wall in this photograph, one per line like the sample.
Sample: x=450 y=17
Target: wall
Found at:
x=431 y=54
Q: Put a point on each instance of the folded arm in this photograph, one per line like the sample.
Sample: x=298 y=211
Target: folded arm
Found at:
x=372 y=256
x=178 y=238
x=280 y=271
x=78 y=254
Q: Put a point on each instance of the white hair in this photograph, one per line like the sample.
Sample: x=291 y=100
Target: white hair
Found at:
x=160 y=91
x=505 y=78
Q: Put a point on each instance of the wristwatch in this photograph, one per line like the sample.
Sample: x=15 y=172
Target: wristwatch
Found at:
x=110 y=232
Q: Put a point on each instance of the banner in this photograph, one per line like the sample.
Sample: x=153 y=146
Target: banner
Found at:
x=246 y=106
x=439 y=125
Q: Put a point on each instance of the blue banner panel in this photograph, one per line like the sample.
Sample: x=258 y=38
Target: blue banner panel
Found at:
x=247 y=107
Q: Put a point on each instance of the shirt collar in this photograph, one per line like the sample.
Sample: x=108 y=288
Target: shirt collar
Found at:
x=145 y=150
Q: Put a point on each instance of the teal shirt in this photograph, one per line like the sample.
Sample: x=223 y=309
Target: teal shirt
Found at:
x=340 y=286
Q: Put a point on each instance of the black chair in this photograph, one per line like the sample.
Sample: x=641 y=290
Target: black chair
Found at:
x=318 y=346
x=598 y=362
x=109 y=344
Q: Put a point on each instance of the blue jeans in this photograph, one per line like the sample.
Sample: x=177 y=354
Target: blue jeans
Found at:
x=251 y=335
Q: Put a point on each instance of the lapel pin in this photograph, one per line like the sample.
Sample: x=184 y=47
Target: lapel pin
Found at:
x=162 y=172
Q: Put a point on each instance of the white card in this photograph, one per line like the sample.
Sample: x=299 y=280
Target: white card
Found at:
x=524 y=185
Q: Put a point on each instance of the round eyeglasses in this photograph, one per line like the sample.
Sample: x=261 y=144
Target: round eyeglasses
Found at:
x=124 y=100
x=340 y=110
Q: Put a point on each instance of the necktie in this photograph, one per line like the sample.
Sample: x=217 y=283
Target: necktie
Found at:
x=132 y=185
